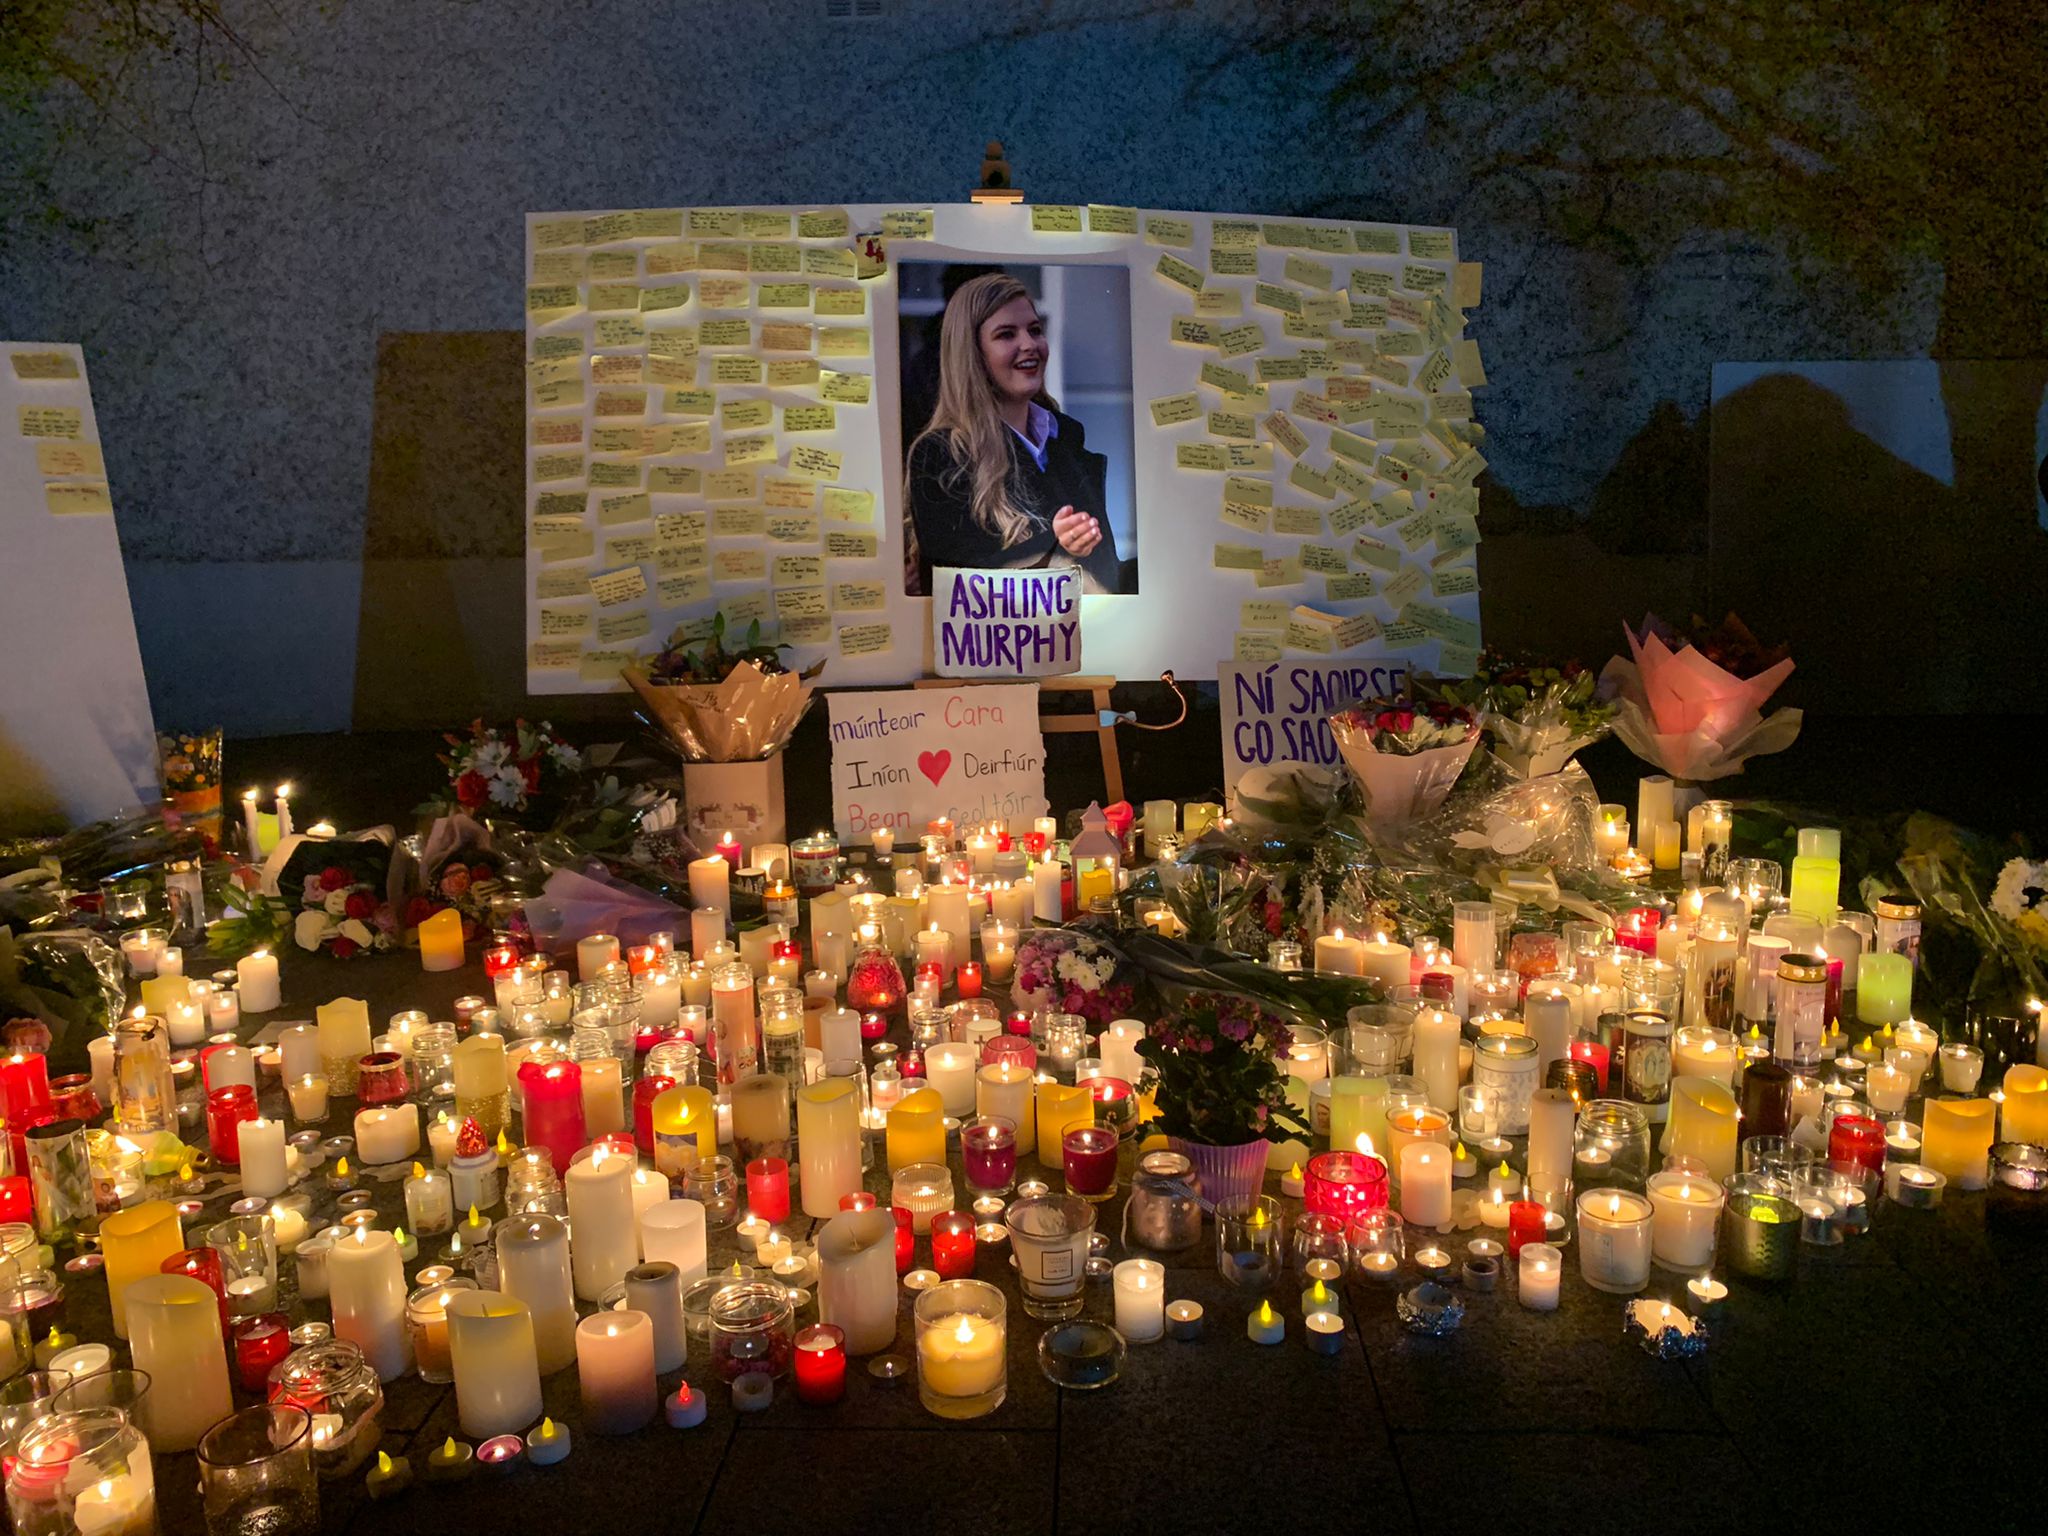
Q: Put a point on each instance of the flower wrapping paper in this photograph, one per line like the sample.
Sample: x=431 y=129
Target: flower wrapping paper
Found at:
x=1691 y=717
x=749 y=716
x=1399 y=787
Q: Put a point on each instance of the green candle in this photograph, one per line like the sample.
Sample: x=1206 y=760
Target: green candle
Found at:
x=1884 y=988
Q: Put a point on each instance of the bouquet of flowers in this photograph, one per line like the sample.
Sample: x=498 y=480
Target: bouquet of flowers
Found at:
x=1063 y=970
x=1985 y=941
x=61 y=988
x=1693 y=705
x=1538 y=715
x=345 y=914
x=1405 y=755
x=453 y=865
x=1220 y=1081
x=723 y=706
x=507 y=772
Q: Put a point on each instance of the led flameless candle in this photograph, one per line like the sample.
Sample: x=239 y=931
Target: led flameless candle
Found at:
x=615 y=1371
x=1956 y=1139
x=174 y=1334
x=497 y=1382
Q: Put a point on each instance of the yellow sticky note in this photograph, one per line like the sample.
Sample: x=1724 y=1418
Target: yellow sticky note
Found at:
x=1191 y=332
x=1324 y=560
x=621 y=511
x=44 y=365
x=907 y=224
x=620 y=402
x=745 y=415
x=616 y=368
x=729 y=565
x=792 y=527
x=806 y=629
x=669 y=259
x=1255 y=457
x=851 y=544
x=605 y=666
x=64 y=497
x=1108 y=219
x=557 y=466
x=620 y=331
x=802 y=602
x=1256 y=648
x=845 y=388
x=1231 y=424
x=1164 y=231
x=1229 y=263
x=758 y=448
x=616 y=295
x=674 y=480
x=798 y=571
x=1219 y=302
x=1240 y=340
x=1055 y=219
x=1238 y=557
x=859 y=597
x=1246 y=517
x=676 y=341
x=1298 y=522
x=864 y=639
x=783 y=296
x=682 y=589
x=1172 y=410
x=809 y=418
x=1432 y=245
x=612 y=588
x=612 y=475
x=798 y=495
x=612 y=629
x=62 y=458
x=735 y=368
x=724 y=293
x=550 y=234
x=1310 y=274
x=814 y=463
x=1244 y=488
x=792 y=372
x=847 y=505
x=738 y=522
x=52 y=421
x=629 y=549
x=553 y=584
x=551 y=298
x=674 y=529
x=775 y=258
x=1174 y=270
x=1231 y=381
x=785 y=336
x=824 y=224
x=729 y=485
x=839 y=301
x=725 y=333
x=555 y=653
x=1348 y=588
x=722 y=256
x=605 y=228
x=1205 y=456
x=844 y=341
x=826 y=261
x=1301 y=477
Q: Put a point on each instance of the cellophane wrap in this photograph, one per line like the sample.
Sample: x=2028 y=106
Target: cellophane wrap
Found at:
x=747 y=717
x=1399 y=787
x=1691 y=717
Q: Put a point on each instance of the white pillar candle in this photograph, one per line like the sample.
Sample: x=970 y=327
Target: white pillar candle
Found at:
x=615 y=1371
x=344 y=1026
x=1120 y=1049
x=1614 y=1240
x=828 y=1144
x=366 y=1288
x=857 y=1278
x=711 y=885
x=1008 y=1088
x=263 y=1168
x=661 y=997
x=649 y=1190
x=256 y=982
x=1010 y=904
x=1548 y=1014
x=657 y=1291
x=950 y=1068
x=1436 y=1035
x=227 y=1066
x=604 y=1096
x=603 y=1245
x=1425 y=1184
x=497 y=1377
x=1045 y=890
x=1541 y=1269
x=672 y=1232
x=1385 y=961
x=1552 y=1118
x=1701 y=1051
x=1339 y=955
x=298 y=1047
x=832 y=951
x=839 y=1037
x=1140 y=1286
x=596 y=952
x=1684 y=1213
x=224 y=1011
x=534 y=1269
x=1656 y=803
x=389 y=1133
x=946 y=908
x=174 y=1334
x=1475 y=942
x=707 y=932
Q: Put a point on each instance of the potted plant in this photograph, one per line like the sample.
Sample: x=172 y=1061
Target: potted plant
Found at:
x=1221 y=1096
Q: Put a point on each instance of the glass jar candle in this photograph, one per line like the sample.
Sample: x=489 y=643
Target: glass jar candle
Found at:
x=1088 y=1157
x=753 y=1328
x=1378 y=1245
x=1344 y=1185
x=1164 y=1212
x=227 y=1110
x=87 y=1470
x=1505 y=1067
x=426 y=1323
x=953 y=1244
x=1248 y=1242
x=1759 y=1228
x=820 y=1364
x=1049 y=1237
x=988 y=1154
x=924 y=1190
x=1614 y=1240
x=1644 y=1064
x=715 y=1185
x=814 y=863
x=962 y=1348
x=334 y=1383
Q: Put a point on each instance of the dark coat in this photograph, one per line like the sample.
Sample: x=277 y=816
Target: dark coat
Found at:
x=941 y=508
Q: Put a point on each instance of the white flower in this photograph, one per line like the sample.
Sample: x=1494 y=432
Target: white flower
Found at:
x=508 y=786
x=354 y=929
x=335 y=903
x=566 y=757
x=2009 y=898
x=488 y=758
x=311 y=929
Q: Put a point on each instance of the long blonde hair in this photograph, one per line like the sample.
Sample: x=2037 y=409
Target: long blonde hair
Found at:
x=967 y=418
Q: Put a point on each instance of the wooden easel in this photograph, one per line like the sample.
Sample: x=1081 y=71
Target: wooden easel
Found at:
x=1066 y=725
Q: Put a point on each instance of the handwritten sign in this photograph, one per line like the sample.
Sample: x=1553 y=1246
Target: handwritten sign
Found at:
x=1006 y=623
x=901 y=759
x=1277 y=713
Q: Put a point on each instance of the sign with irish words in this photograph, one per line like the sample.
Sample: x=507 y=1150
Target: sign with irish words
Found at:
x=901 y=759
x=1006 y=623
x=1277 y=714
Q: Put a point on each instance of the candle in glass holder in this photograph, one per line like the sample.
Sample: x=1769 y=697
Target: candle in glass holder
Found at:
x=953 y=1242
x=1140 y=1294
x=962 y=1348
x=924 y=1190
x=1614 y=1240
x=820 y=1364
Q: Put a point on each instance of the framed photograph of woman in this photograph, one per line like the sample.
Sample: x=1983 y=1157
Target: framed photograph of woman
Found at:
x=1017 y=424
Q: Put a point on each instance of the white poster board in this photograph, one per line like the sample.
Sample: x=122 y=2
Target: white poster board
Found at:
x=76 y=739
x=715 y=423
x=903 y=758
x=1275 y=714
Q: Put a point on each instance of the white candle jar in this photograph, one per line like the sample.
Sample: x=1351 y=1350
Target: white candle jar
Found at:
x=1504 y=1066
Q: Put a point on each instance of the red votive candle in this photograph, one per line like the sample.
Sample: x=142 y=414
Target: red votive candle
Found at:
x=642 y=958
x=645 y=1091
x=1637 y=930
x=1018 y=1023
x=953 y=1244
x=906 y=1239
x=1595 y=1055
x=1527 y=1223
x=202 y=1264
x=988 y=1153
x=1009 y=1050
x=1034 y=844
x=728 y=849
x=1831 y=1004
x=500 y=958
x=382 y=1078
x=820 y=1364
x=1857 y=1139
x=768 y=1188
x=859 y=1200
x=1345 y=1184
x=260 y=1342
x=1088 y=1153
x=873 y=1026
x=17 y=1200
x=226 y=1109
x=551 y=1096
x=968 y=978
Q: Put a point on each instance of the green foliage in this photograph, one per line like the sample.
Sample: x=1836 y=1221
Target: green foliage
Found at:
x=710 y=660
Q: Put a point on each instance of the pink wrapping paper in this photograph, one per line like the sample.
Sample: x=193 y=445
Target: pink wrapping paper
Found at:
x=1401 y=786
x=1692 y=718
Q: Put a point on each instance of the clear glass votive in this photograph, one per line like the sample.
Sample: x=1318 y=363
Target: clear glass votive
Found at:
x=256 y=1474
x=1248 y=1238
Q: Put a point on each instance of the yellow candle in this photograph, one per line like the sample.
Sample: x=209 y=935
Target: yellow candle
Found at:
x=1060 y=1109
x=1702 y=1124
x=1955 y=1139
x=960 y=1359
x=2025 y=1116
x=685 y=1129
x=174 y=1331
x=159 y=992
x=917 y=1129
x=1096 y=882
x=135 y=1242
x=441 y=941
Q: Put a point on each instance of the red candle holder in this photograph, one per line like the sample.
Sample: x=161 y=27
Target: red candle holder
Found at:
x=642 y=958
x=1528 y=1222
x=953 y=1244
x=500 y=958
x=1595 y=1055
x=858 y=1200
x=202 y=1264
x=1034 y=844
x=382 y=1078
x=820 y=1364
x=906 y=1240
x=728 y=849
x=873 y=1026
x=768 y=1188
x=1009 y=1050
x=17 y=1200
x=967 y=980
x=645 y=1091
x=1345 y=1184
x=24 y=1083
x=260 y=1342
x=1088 y=1154
x=226 y=1109
x=72 y=1098
x=1637 y=930
x=551 y=1095
x=1020 y=1022
x=788 y=949
x=1857 y=1139
x=1831 y=1004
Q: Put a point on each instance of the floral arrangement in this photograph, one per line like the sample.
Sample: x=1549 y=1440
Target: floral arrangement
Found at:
x=509 y=772
x=1537 y=714
x=715 y=705
x=1692 y=705
x=1405 y=727
x=2021 y=898
x=710 y=662
x=1220 y=1081
x=344 y=914
x=1061 y=970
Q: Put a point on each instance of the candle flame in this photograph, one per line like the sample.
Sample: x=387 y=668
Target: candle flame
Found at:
x=965 y=1333
x=384 y=1462
x=417 y=1171
x=1365 y=1145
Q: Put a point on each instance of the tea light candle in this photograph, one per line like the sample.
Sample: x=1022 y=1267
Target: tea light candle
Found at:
x=548 y=1444
x=1265 y=1326
x=1184 y=1320
x=1540 y=1270
x=686 y=1408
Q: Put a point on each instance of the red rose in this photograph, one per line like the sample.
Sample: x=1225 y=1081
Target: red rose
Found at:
x=418 y=910
x=333 y=878
x=454 y=880
x=361 y=906
x=470 y=789
x=344 y=947
x=530 y=771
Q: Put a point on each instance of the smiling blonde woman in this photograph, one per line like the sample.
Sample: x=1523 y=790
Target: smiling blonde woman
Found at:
x=1000 y=479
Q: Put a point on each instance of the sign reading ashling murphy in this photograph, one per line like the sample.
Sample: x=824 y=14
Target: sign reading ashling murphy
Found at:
x=1006 y=623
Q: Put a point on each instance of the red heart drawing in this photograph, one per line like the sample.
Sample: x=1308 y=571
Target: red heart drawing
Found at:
x=933 y=765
